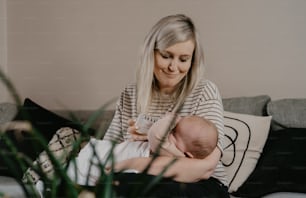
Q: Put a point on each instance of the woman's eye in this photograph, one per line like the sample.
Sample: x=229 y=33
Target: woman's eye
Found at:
x=164 y=55
x=184 y=59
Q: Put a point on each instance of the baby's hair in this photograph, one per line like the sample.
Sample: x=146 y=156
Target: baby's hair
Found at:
x=206 y=141
x=201 y=148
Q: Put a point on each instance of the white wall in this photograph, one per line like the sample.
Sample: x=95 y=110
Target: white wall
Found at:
x=3 y=49
x=80 y=54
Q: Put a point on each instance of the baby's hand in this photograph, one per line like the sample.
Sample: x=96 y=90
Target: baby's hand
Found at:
x=132 y=129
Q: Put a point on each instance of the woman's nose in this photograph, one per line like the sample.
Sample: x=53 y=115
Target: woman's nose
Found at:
x=173 y=65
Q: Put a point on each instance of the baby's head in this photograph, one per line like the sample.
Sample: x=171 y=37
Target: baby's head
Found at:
x=195 y=136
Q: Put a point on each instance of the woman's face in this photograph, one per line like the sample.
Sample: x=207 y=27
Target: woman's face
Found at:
x=172 y=64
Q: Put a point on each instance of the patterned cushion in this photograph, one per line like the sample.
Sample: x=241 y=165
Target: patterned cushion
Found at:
x=245 y=137
x=61 y=147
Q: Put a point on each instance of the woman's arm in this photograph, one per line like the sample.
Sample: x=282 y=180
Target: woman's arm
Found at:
x=182 y=170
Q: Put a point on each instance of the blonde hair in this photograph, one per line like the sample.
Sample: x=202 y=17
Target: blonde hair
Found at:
x=165 y=33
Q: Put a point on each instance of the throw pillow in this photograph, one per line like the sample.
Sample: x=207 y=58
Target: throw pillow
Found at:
x=281 y=167
x=245 y=137
x=62 y=148
x=46 y=122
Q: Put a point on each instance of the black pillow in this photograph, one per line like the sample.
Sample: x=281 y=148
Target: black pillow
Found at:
x=8 y=164
x=45 y=122
x=281 y=167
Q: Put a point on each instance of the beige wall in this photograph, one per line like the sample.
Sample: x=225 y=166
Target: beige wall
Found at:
x=3 y=49
x=79 y=54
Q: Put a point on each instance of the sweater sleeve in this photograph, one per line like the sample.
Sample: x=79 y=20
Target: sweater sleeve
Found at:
x=113 y=132
x=210 y=107
x=125 y=110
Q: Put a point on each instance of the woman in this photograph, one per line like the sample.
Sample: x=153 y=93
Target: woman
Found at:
x=170 y=79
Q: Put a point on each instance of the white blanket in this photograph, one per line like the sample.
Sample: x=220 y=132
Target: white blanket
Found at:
x=86 y=164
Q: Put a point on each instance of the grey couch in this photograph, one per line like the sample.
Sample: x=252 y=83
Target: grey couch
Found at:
x=272 y=174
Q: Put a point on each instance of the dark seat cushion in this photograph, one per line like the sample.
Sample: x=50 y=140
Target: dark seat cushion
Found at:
x=281 y=167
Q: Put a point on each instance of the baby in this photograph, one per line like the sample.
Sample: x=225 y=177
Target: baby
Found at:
x=189 y=136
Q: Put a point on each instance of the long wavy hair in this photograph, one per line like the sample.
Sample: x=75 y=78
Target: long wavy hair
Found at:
x=165 y=33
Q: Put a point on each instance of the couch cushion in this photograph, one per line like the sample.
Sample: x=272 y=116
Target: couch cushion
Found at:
x=281 y=167
x=245 y=136
x=288 y=113
x=254 y=105
x=7 y=112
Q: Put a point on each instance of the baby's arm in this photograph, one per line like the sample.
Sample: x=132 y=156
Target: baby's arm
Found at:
x=159 y=134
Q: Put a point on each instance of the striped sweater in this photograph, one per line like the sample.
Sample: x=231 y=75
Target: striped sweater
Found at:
x=205 y=101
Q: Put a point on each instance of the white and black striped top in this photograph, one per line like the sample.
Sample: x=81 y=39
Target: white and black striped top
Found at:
x=204 y=101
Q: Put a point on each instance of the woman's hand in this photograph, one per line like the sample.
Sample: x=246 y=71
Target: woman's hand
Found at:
x=132 y=129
